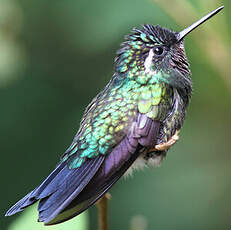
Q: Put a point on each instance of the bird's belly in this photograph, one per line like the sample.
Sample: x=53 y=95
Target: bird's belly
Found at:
x=143 y=162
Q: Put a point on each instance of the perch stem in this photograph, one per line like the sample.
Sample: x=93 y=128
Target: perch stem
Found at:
x=102 y=206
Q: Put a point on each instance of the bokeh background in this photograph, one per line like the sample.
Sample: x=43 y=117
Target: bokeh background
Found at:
x=56 y=55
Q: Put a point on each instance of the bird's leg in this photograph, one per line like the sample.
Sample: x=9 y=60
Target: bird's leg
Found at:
x=102 y=205
x=166 y=145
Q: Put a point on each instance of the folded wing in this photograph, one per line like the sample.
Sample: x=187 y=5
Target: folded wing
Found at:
x=68 y=192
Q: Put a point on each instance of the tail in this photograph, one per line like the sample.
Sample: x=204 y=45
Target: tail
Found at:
x=58 y=189
x=32 y=197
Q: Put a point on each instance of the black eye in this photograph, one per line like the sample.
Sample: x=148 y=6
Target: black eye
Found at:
x=158 y=50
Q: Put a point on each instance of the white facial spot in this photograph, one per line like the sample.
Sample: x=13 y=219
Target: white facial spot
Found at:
x=148 y=61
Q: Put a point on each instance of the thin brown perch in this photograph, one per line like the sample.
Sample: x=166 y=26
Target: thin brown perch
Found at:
x=102 y=206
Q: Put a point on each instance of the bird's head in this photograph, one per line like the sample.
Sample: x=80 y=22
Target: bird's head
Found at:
x=151 y=49
x=158 y=52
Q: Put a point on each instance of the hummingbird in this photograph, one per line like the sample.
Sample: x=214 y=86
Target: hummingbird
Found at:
x=131 y=123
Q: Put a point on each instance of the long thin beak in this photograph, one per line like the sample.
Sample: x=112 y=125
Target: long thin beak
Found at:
x=186 y=31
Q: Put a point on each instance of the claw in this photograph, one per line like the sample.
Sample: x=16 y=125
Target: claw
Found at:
x=166 y=145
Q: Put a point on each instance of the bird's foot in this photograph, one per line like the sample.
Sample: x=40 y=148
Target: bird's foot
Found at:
x=166 y=145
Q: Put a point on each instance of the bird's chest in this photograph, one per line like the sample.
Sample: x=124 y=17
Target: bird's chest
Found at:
x=155 y=101
x=174 y=119
x=172 y=112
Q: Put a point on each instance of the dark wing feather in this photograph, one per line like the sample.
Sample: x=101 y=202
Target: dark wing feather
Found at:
x=113 y=167
x=52 y=205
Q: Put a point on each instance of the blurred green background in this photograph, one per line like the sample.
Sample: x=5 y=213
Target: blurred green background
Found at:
x=56 y=55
